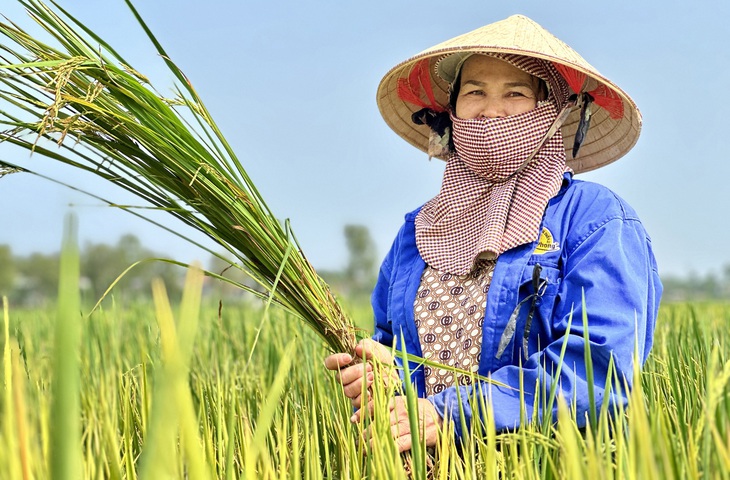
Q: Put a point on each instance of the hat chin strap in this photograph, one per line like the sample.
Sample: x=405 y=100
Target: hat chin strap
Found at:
x=559 y=120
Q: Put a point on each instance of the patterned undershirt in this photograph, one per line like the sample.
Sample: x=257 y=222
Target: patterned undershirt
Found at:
x=449 y=313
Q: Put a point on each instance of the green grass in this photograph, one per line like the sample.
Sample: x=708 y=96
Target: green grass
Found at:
x=169 y=392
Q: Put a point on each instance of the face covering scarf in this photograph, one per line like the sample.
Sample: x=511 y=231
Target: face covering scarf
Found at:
x=488 y=204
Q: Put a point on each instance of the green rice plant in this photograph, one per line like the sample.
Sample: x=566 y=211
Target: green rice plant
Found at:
x=172 y=406
x=108 y=120
x=9 y=379
x=65 y=458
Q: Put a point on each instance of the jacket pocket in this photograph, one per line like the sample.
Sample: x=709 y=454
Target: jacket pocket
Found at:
x=528 y=328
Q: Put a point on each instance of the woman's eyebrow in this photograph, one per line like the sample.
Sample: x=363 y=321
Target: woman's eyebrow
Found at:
x=475 y=82
x=506 y=84
x=518 y=84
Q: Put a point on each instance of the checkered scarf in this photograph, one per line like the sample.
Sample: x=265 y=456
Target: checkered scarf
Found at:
x=484 y=208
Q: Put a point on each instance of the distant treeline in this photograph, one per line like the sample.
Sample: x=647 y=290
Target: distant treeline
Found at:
x=710 y=286
x=33 y=279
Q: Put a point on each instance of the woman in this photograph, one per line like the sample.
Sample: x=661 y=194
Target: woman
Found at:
x=487 y=275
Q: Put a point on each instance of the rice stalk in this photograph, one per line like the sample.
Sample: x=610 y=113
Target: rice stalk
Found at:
x=172 y=403
x=65 y=458
x=8 y=384
x=572 y=453
x=21 y=417
x=108 y=120
x=266 y=415
x=15 y=417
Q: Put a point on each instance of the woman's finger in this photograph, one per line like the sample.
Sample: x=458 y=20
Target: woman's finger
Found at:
x=353 y=373
x=368 y=410
x=368 y=348
x=404 y=442
x=354 y=388
x=337 y=360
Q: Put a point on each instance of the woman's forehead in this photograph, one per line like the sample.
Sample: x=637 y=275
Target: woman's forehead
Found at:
x=479 y=64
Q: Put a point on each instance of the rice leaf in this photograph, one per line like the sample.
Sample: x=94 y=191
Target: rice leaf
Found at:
x=65 y=458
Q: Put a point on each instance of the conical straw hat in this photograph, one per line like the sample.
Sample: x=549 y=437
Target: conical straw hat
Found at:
x=614 y=127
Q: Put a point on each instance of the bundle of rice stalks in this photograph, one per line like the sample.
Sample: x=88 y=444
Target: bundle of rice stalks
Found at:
x=107 y=119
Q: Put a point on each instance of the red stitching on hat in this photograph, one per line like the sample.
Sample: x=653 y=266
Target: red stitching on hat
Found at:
x=409 y=89
x=603 y=96
x=609 y=100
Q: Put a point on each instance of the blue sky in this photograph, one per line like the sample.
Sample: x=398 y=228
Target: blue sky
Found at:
x=292 y=85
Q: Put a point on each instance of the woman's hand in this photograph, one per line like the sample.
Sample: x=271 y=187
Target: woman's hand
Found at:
x=429 y=422
x=352 y=376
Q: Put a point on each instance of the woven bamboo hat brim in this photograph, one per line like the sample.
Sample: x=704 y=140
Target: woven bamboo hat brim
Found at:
x=611 y=135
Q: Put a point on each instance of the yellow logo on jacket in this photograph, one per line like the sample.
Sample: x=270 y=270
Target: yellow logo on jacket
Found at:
x=546 y=243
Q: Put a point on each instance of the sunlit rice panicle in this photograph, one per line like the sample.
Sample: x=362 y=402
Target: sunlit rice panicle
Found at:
x=107 y=119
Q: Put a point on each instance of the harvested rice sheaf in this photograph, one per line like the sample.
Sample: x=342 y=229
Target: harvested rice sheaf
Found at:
x=107 y=119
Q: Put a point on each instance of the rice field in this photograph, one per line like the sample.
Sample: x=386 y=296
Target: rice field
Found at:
x=201 y=390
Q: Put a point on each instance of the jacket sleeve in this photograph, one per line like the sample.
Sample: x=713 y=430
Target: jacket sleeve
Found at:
x=383 y=331
x=613 y=264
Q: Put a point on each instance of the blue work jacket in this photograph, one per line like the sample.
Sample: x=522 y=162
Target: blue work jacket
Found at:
x=590 y=241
